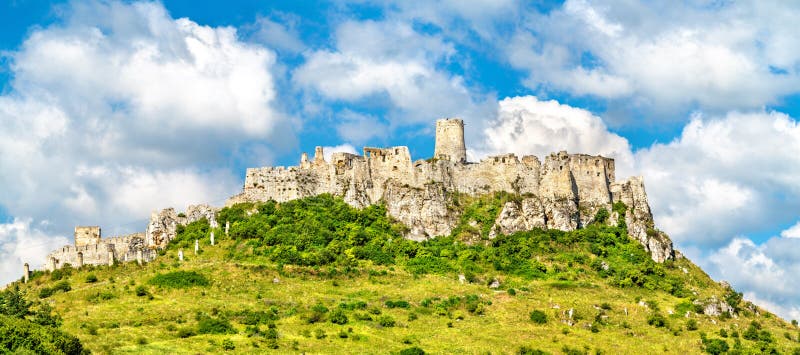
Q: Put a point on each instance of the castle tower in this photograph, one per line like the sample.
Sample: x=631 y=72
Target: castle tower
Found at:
x=89 y=235
x=26 y=270
x=450 y=140
x=319 y=156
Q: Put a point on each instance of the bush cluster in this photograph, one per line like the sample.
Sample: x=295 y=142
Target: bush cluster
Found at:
x=63 y=286
x=323 y=230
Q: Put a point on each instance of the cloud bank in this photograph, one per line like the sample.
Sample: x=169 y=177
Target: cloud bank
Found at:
x=118 y=110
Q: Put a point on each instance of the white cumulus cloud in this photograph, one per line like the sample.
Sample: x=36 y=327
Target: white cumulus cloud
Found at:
x=525 y=125
x=724 y=176
x=20 y=243
x=664 y=57
x=388 y=64
x=117 y=109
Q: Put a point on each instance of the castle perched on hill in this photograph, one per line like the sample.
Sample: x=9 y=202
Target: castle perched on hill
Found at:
x=565 y=192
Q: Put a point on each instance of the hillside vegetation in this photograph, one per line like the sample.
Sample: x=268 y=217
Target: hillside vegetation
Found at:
x=317 y=276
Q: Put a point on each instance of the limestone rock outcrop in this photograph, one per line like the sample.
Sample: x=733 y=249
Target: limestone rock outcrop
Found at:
x=197 y=212
x=639 y=219
x=162 y=228
x=519 y=216
x=163 y=225
x=423 y=210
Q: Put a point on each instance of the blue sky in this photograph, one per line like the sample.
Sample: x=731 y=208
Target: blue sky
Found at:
x=112 y=109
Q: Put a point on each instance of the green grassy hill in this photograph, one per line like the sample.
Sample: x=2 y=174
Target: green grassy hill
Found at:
x=317 y=276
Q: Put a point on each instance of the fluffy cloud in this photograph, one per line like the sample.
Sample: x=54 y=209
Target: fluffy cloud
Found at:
x=662 y=56
x=792 y=232
x=762 y=271
x=117 y=110
x=388 y=64
x=343 y=148
x=526 y=125
x=724 y=176
x=20 y=243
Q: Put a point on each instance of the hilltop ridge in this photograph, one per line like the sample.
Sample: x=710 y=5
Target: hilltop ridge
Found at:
x=564 y=193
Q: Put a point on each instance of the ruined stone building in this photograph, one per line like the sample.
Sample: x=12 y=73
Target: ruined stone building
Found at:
x=564 y=192
x=92 y=249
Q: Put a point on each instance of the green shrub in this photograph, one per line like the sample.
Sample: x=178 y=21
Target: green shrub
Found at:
x=657 y=320
x=320 y=334
x=524 y=350
x=227 y=344
x=412 y=351
x=538 y=317
x=22 y=336
x=512 y=292
x=211 y=325
x=91 y=278
x=397 y=304
x=186 y=332
x=97 y=297
x=601 y=216
x=141 y=291
x=338 y=317
x=179 y=279
x=572 y=351
x=59 y=286
x=691 y=324
x=386 y=321
x=715 y=346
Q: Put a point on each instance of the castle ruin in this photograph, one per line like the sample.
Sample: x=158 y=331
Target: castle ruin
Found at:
x=91 y=248
x=564 y=192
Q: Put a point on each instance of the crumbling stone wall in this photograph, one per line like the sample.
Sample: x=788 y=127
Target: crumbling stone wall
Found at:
x=87 y=235
x=105 y=251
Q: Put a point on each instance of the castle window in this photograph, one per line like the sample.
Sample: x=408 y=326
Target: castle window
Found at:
x=383 y=158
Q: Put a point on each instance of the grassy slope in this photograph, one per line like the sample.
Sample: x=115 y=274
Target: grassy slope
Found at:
x=127 y=323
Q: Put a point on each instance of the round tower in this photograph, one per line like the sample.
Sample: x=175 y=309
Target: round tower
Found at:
x=450 y=140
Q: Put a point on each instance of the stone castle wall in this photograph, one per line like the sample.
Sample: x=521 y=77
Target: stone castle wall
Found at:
x=88 y=235
x=101 y=251
x=91 y=249
x=565 y=192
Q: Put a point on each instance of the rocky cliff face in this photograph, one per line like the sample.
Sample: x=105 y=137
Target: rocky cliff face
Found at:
x=639 y=219
x=163 y=225
x=424 y=210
